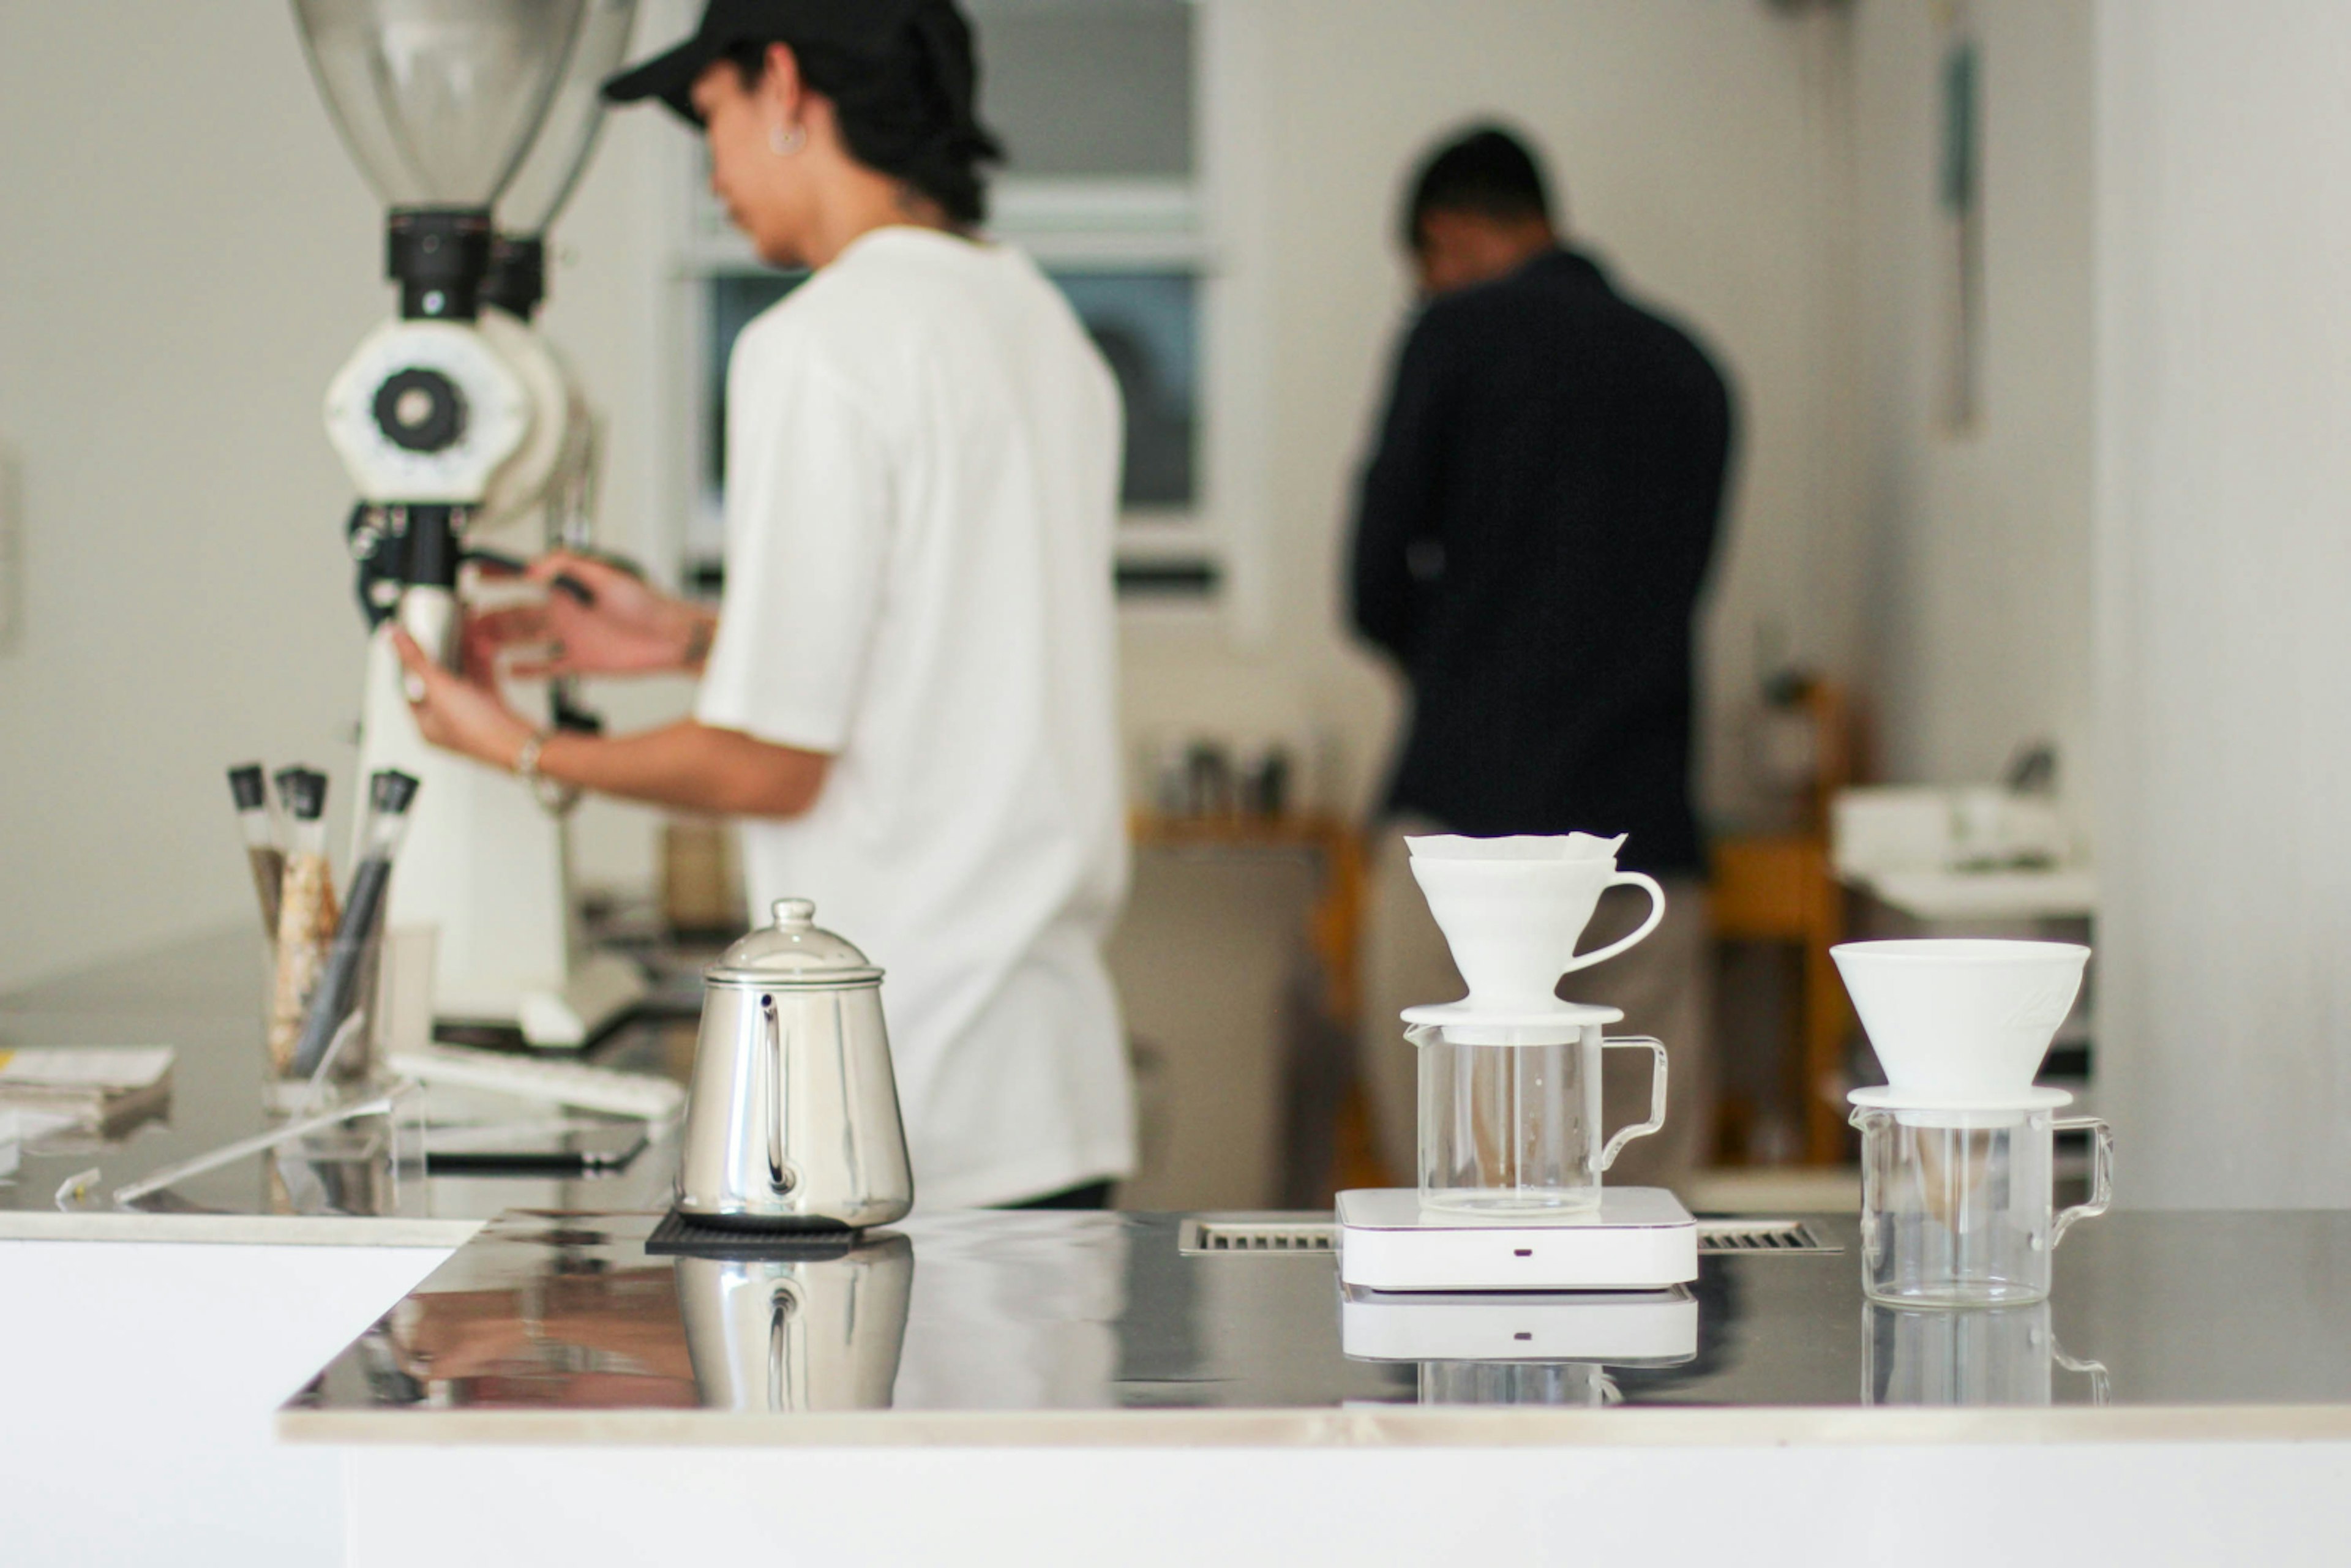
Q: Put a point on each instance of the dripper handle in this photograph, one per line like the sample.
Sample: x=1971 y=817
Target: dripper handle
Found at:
x=1649 y=885
x=2102 y=1173
x=1631 y=1131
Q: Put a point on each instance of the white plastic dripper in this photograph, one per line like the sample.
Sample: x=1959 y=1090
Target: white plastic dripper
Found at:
x=1512 y=909
x=1961 y=1019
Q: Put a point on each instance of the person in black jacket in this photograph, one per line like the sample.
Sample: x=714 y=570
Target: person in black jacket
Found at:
x=1534 y=528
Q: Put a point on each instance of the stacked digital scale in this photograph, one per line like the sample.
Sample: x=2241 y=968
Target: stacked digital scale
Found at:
x=1510 y=1273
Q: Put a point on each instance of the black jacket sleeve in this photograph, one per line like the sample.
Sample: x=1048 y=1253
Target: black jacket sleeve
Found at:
x=1397 y=506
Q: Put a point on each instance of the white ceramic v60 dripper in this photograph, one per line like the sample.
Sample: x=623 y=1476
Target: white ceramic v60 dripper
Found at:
x=1960 y=1019
x=1512 y=909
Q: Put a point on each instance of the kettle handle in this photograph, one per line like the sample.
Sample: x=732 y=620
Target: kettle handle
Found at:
x=780 y=1175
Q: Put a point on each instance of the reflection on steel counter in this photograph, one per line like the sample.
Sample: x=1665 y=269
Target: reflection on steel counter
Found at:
x=1994 y=1355
x=824 y=1333
x=364 y=1158
x=585 y=1341
x=1034 y=1318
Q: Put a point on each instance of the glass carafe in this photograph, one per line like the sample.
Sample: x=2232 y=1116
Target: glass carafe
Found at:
x=1957 y=1205
x=1509 y=1116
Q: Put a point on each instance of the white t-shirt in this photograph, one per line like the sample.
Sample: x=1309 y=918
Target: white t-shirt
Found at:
x=923 y=453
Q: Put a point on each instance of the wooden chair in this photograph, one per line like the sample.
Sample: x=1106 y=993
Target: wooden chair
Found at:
x=1779 y=887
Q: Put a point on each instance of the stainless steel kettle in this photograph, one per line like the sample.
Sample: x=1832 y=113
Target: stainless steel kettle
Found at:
x=793 y=1121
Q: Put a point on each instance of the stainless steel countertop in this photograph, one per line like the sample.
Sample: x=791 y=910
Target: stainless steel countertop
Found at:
x=203 y=998
x=1042 y=1328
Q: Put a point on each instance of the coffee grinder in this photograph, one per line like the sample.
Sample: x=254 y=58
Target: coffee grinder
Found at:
x=460 y=425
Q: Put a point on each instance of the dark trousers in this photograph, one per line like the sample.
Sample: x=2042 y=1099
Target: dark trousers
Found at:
x=1093 y=1194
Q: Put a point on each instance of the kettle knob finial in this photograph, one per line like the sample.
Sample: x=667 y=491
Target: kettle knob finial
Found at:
x=794 y=912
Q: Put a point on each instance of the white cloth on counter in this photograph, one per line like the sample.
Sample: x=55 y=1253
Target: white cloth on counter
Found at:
x=923 y=460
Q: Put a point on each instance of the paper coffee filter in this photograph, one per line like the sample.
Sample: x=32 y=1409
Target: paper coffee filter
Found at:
x=1514 y=847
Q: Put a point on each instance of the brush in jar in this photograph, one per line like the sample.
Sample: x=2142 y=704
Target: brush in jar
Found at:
x=262 y=852
x=306 y=910
x=343 y=984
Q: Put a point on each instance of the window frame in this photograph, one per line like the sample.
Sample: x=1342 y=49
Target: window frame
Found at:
x=1213 y=225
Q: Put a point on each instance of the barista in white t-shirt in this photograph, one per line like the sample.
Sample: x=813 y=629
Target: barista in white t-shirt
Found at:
x=909 y=692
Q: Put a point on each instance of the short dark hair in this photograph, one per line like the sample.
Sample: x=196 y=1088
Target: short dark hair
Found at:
x=1485 y=171
x=910 y=112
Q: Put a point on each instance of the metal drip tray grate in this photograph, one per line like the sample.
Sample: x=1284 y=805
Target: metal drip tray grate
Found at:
x=1760 y=1236
x=1272 y=1234
x=1268 y=1233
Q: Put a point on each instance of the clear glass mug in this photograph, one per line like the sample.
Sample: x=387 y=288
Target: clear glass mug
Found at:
x=2003 y=1355
x=1510 y=1117
x=1957 y=1205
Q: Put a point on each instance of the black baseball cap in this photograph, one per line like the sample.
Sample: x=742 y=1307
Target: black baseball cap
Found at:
x=865 y=27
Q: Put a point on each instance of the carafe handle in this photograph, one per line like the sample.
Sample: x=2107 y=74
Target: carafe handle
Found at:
x=1626 y=1134
x=2102 y=1389
x=1647 y=884
x=1866 y=1119
x=2102 y=1173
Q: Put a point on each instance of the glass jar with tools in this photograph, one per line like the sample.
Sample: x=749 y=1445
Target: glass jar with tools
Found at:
x=319 y=1030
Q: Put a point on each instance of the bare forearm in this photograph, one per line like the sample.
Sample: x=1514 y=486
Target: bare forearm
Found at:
x=691 y=766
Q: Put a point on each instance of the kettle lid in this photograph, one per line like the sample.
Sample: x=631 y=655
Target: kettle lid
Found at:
x=794 y=951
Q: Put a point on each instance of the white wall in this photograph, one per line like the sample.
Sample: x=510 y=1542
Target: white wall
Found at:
x=1700 y=146
x=183 y=267
x=2224 y=568
x=1979 y=573
x=186 y=256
